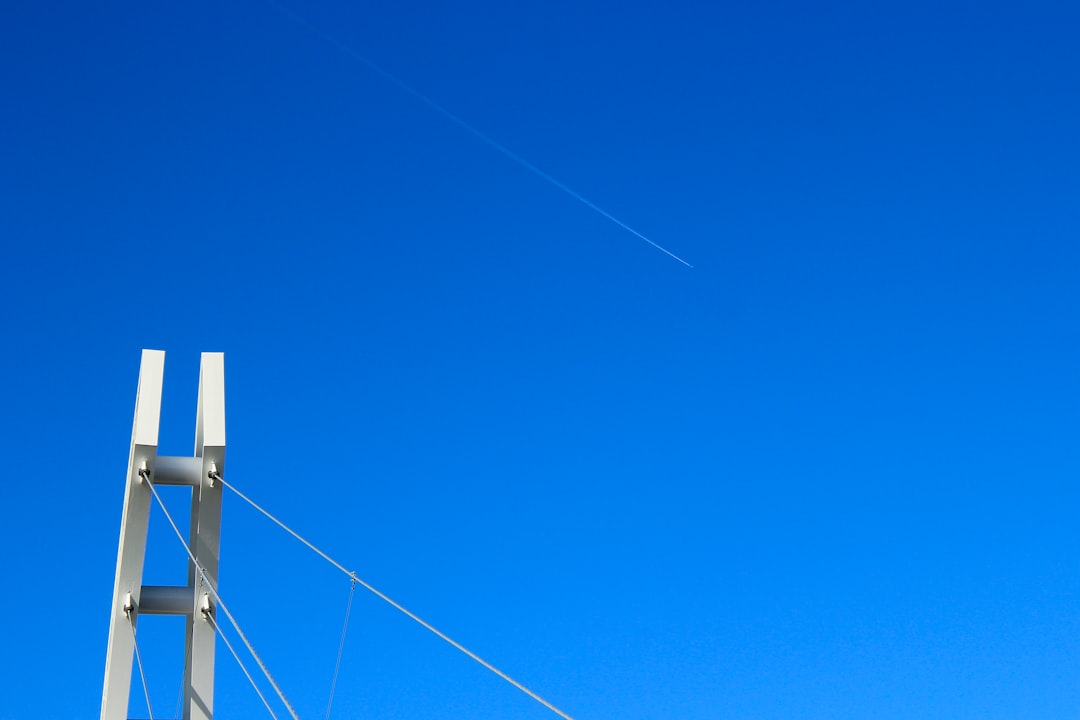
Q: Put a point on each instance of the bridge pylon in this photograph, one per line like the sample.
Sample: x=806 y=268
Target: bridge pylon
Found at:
x=195 y=601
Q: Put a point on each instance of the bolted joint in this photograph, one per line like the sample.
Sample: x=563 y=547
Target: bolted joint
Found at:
x=206 y=608
x=213 y=474
x=144 y=472
x=129 y=605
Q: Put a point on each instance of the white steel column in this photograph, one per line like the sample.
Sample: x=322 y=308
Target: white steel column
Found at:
x=205 y=536
x=132 y=548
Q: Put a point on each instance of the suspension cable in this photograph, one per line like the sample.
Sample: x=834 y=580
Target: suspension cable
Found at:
x=397 y=606
x=341 y=648
x=180 y=697
x=138 y=660
x=224 y=639
x=213 y=591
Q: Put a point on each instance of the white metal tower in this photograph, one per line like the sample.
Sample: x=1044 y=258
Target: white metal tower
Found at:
x=194 y=601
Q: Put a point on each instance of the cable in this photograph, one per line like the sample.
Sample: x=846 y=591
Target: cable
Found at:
x=289 y=530
x=138 y=660
x=179 y=698
x=258 y=660
x=213 y=590
x=341 y=648
x=397 y=606
x=217 y=629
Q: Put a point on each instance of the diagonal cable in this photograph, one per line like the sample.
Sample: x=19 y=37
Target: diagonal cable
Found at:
x=341 y=648
x=224 y=639
x=397 y=606
x=213 y=590
x=179 y=698
x=138 y=660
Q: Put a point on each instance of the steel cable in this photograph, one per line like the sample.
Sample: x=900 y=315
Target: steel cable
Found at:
x=397 y=606
x=221 y=604
x=138 y=660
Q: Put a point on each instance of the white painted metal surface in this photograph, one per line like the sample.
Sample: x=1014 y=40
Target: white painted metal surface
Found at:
x=194 y=472
x=132 y=548
x=205 y=536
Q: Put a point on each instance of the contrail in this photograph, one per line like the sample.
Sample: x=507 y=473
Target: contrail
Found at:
x=488 y=140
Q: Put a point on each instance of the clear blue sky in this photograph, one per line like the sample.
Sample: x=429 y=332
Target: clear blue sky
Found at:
x=829 y=472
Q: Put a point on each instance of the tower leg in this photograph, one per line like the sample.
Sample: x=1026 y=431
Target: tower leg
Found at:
x=132 y=548
x=205 y=537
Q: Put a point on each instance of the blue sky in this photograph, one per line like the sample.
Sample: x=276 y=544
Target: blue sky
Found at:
x=829 y=472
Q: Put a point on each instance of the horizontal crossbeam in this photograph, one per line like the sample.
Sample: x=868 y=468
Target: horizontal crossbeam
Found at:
x=171 y=470
x=167 y=600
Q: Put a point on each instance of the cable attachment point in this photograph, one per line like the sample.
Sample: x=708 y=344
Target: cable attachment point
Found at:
x=205 y=607
x=144 y=472
x=213 y=474
x=129 y=606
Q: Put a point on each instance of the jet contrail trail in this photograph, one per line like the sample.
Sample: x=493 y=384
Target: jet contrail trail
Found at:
x=491 y=142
